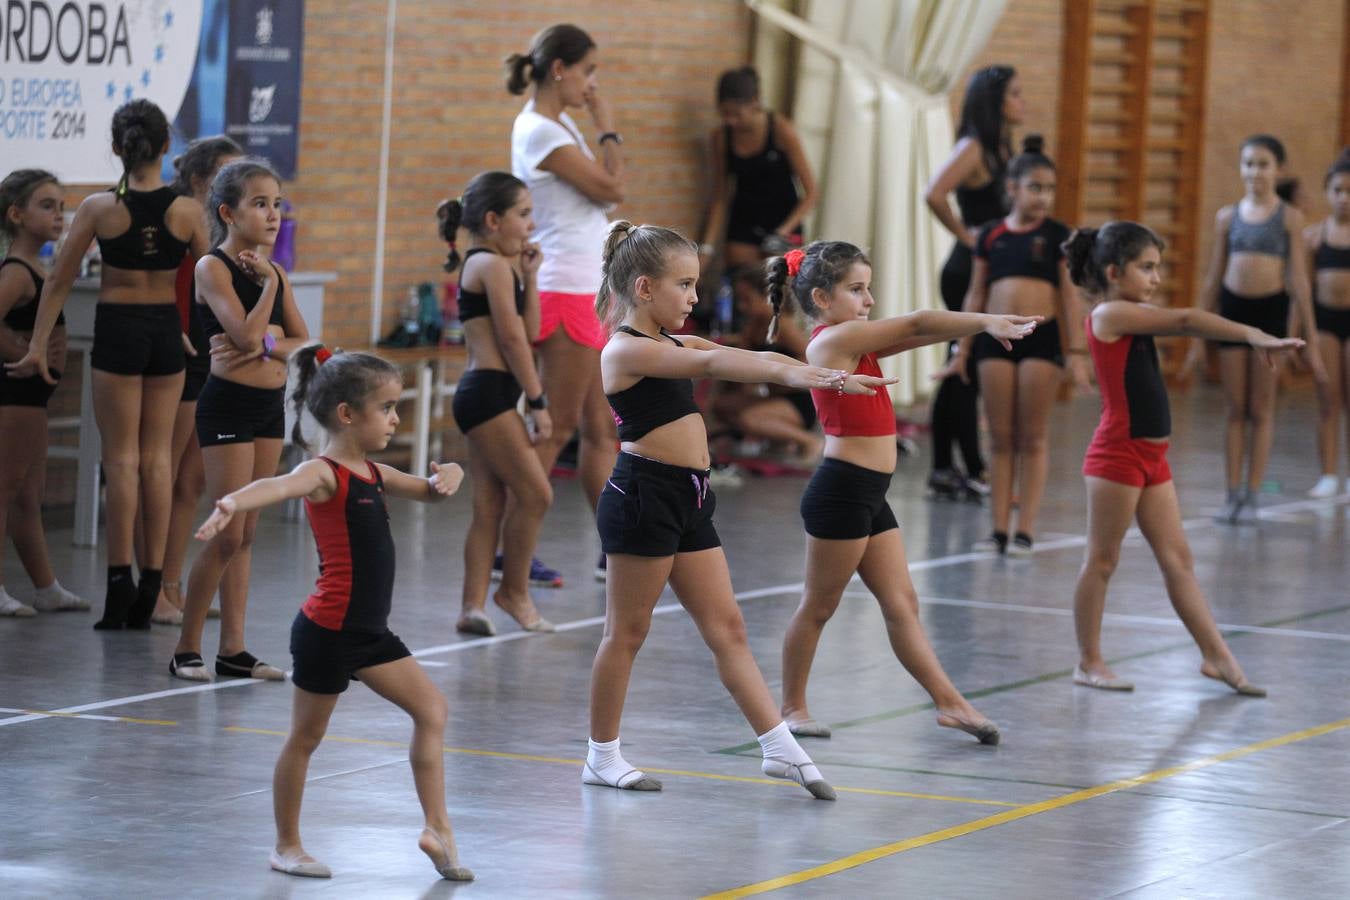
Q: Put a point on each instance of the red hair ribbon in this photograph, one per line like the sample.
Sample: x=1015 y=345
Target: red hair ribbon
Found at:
x=794 y=258
x=322 y=355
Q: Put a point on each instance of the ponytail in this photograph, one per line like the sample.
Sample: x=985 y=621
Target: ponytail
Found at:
x=1083 y=269
x=775 y=287
x=306 y=363
x=449 y=214
x=519 y=72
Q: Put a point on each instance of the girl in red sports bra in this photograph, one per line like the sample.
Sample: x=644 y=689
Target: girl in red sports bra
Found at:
x=341 y=633
x=850 y=527
x=1126 y=469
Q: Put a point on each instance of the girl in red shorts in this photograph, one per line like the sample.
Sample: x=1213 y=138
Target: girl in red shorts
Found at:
x=1126 y=464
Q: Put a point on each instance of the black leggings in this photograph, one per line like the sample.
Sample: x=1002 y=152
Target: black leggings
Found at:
x=954 y=415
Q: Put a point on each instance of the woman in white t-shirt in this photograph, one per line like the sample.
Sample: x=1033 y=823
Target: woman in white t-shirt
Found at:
x=572 y=191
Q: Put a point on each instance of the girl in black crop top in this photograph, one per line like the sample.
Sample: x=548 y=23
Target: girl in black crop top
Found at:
x=1019 y=269
x=249 y=310
x=35 y=198
x=763 y=185
x=655 y=513
x=499 y=305
x=1330 y=246
x=138 y=349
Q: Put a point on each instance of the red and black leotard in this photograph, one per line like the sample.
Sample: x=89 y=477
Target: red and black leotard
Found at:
x=356 y=554
x=1129 y=445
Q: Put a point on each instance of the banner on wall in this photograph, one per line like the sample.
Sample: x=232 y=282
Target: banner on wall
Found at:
x=213 y=66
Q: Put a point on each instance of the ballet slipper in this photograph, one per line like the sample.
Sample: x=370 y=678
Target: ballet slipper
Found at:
x=1100 y=682
x=442 y=857
x=1244 y=687
x=986 y=732
x=301 y=864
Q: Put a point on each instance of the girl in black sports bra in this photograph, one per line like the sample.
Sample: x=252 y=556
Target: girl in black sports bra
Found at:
x=143 y=229
x=31 y=205
x=252 y=324
x=499 y=306
x=758 y=165
x=1329 y=244
x=655 y=513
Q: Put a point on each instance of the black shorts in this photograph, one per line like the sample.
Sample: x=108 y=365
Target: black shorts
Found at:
x=844 y=502
x=137 y=339
x=231 y=413
x=1043 y=343
x=1333 y=321
x=805 y=406
x=30 y=391
x=1270 y=314
x=194 y=380
x=483 y=394
x=324 y=661
x=649 y=508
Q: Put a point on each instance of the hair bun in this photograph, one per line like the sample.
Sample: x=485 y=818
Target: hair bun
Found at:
x=1033 y=143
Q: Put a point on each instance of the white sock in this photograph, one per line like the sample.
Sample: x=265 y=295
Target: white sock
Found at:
x=54 y=597
x=607 y=764
x=779 y=745
x=11 y=607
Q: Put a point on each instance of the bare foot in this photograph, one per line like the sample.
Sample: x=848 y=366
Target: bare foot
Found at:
x=522 y=609
x=971 y=722
x=440 y=849
x=1230 y=673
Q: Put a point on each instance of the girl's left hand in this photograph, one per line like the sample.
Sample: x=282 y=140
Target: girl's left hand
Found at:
x=1006 y=329
x=865 y=384
x=445 y=478
x=220 y=517
x=1079 y=373
x=531 y=258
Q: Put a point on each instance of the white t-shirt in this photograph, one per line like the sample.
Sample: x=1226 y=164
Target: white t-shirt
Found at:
x=569 y=226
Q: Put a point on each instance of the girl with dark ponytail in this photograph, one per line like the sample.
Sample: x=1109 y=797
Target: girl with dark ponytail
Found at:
x=499 y=306
x=1258 y=275
x=1019 y=268
x=974 y=170
x=143 y=228
x=1329 y=246
x=656 y=512
x=572 y=191
x=849 y=525
x=1128 y=478
x=341 y=633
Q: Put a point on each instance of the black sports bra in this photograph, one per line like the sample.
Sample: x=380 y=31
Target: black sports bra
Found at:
x=247 y=290
x=23 y=318
x=473 y=304
x=1329 y=257
x=147 y=245
x=651 y=402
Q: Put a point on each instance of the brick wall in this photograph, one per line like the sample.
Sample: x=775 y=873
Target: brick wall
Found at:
x=452 y=119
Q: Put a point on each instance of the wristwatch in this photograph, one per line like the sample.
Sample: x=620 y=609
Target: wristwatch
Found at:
x=610 y=136
x=537 y=403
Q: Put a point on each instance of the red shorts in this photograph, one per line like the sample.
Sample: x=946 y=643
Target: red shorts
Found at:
x=576 y=314
x=1135 y=462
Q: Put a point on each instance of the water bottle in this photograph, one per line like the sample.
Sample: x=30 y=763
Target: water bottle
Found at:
x=411 y=326
x=46 y=255
x=724 y=307
x=429 y=314
x=454 y=328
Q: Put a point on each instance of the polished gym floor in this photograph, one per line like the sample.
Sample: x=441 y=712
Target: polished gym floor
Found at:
x=118 y=781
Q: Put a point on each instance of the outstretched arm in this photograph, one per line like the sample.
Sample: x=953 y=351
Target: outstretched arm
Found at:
x=313 y=479
x=1116 y=318
x=444 y=480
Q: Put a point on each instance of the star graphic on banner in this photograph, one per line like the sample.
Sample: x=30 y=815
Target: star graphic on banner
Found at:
x=126 y=92
x=112 y=90
x=145 y=77
x=159 y=53
x=168 y=18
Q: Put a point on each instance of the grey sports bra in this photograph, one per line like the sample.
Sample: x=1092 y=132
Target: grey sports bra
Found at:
x=1269 y=237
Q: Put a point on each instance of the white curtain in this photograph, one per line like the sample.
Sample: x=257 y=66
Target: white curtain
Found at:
x=872 y=108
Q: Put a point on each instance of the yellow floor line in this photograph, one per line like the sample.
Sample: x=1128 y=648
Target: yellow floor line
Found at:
x=65 y=715
x=1021 y=812
x=499 y=754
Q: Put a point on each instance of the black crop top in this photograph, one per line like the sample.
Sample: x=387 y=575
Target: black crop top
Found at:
x=1329 y=257
x=147 y=245
x=651 y=402
x=473 y=304
x=982 y=204
x=24 y=317
x=247 y=290
x=1033 y=253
